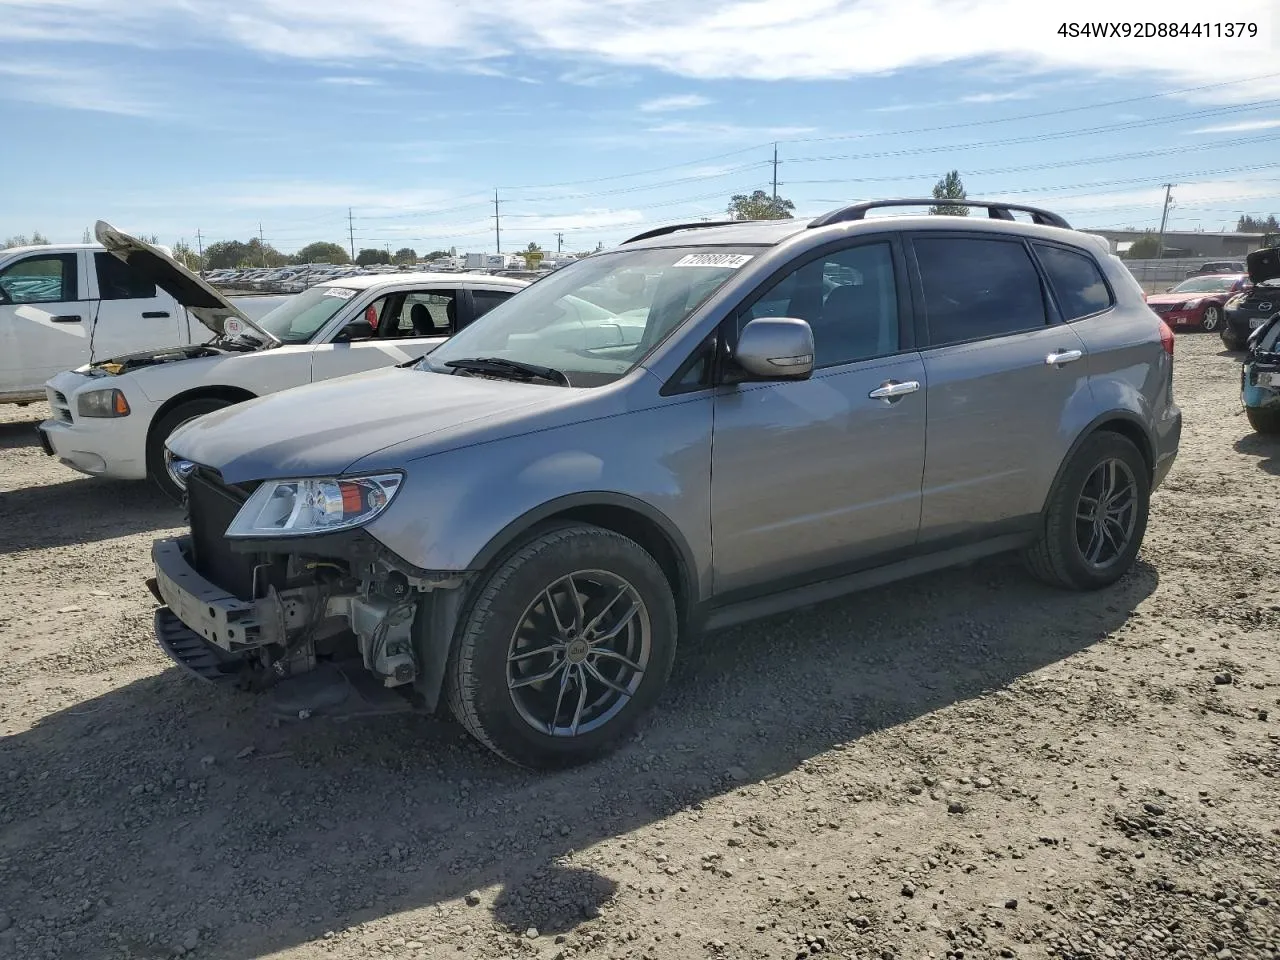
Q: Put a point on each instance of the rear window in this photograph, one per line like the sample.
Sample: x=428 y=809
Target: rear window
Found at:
x=976 y=288
x=1077 y=281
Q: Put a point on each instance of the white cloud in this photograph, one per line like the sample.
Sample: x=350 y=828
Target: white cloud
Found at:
x=741 y=39
x=680 y=101
x=997 y=97
x=349 y=81
x=725 y=131
x=73 y=88
x=1243 y=126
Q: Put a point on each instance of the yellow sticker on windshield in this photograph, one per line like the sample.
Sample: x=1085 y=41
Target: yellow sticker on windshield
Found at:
x=730 y=261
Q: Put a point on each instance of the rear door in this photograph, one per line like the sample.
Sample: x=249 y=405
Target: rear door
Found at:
x=1002 y=373
x=130 y=313
x=44 y=320
x=406 y=324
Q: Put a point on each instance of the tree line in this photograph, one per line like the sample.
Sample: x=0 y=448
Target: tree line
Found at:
x=758 y=205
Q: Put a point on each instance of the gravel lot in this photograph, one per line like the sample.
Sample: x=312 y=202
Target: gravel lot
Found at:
x=968 y=765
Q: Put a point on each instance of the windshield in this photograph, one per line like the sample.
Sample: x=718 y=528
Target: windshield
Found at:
x=299 y=317
x=1205 y=285
x=595 y=319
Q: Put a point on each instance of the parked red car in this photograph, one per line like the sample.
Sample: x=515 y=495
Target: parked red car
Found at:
x=1198 y=302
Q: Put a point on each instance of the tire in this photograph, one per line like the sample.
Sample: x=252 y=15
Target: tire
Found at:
x=1212 y=318
x=1059 y=556
x=163 y=429
x=1264 y=419
x=515 y=611
x=1230 y=339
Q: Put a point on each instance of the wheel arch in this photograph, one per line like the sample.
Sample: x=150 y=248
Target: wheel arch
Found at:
x=214 y=392
x=1121 y=422
x=629 y=516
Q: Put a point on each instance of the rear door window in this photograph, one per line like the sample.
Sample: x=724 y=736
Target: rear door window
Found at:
x=486 y=300
x=118 y=281
x=1077 y=281
x=975 y=288
x=426 y=315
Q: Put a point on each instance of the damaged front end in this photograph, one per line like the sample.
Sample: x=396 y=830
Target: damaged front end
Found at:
x=333 y=609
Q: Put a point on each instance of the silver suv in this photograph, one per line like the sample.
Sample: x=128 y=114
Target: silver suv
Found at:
x=711 y=423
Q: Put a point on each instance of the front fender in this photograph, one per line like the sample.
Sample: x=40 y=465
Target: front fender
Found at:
x=459 y=508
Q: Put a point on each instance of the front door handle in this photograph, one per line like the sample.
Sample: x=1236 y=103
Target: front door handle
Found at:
x=66 y=318
x=891 y=390
x=1059 y=357
x=154 y=314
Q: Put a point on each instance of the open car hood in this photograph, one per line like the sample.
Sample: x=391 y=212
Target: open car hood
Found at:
x=200 y=299
x=1263 y=265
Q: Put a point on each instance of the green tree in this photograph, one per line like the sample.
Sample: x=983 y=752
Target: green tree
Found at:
x=437 y=254
x=183 y=253
x=22 y=240
x=950 y=187
x=1251 y=224
x=759 y=206
x=406 y=255
x=322 y=252
x=1146 y=247
x=225 y=254
x=532 y=255
x=370 y=255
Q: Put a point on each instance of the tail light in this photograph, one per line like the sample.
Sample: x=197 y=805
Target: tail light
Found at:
x=1166 y=338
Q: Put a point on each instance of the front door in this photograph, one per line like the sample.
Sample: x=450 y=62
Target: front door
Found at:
x=405 y=325
x=130 y=315
x=813 y=477
x=996 y=397
x=44 y=321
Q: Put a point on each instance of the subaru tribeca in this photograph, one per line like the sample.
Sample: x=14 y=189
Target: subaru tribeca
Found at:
x=710 y=423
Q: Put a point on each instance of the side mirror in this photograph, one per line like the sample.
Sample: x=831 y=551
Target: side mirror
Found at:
x=775 y=348
x=355 y=330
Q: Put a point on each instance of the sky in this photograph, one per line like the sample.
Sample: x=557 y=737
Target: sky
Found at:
x=596 y=119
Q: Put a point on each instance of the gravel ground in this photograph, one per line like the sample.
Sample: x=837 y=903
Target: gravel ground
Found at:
x=967 y=765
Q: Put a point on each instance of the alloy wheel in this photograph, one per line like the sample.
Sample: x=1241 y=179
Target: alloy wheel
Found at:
x=1106 y=513
x=579 y=653
x=1212 y=316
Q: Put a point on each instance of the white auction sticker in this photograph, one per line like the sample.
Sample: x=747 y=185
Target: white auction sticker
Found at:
x=232 y=327
x=342 y=293
x=731 y=261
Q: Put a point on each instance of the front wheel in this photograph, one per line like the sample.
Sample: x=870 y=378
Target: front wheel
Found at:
x=1211 y=319
x=1230 y=339
x=163 y=429
x=1096 y=516
x=1264 y=419
x=568 y=642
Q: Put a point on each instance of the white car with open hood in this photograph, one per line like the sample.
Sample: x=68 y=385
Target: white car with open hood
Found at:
x=111 y=417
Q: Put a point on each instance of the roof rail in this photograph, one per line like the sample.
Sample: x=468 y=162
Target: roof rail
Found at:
x=672 y=228
x=996 y=210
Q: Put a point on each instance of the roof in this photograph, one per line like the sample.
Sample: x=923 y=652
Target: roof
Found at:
x=365 y=281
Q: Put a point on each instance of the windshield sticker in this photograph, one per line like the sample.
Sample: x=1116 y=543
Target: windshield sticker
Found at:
x=729 y=261
x=232 y=327
x=342 y=293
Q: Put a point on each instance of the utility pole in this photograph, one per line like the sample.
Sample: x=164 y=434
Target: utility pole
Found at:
x=775 y=174
x=351 y=233
x=559 y=242
x=262 y=244
x=497 y=223
x=199 y=251
x=1164 y=219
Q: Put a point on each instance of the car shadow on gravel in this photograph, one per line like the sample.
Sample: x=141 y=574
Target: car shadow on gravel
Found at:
x=167 y=810
x=81 y=510
x=18 y=433
x=1266 y=449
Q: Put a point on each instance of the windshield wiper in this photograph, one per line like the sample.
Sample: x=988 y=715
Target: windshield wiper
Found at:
x=501 y=367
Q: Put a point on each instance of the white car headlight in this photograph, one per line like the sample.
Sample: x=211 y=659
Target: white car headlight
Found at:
x=102 y=403
x=287 y=508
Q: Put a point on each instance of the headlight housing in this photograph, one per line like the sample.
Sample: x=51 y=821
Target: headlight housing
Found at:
x=177 y=468
x=102 y=403
x=1236 y=300
x=292 y=508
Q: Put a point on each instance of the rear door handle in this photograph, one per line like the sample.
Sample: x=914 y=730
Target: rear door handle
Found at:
x=66 y=318
x=154 y=314
x=893 y=389
x=1062 y=356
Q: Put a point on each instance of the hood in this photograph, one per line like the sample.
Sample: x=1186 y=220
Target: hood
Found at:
x=1263 y=265
x=322 y=429
x=1178 y=297
x=200 y=299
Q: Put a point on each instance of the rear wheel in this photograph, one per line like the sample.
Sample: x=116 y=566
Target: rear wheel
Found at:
x=1264 y=419
x=1096 y=516
x=163 y=429
x=1212 y=318
x=568 y=642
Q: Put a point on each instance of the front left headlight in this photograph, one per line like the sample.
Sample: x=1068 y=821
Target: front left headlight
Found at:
x=1236 y=300
x=102 y=403
x=290 y=508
